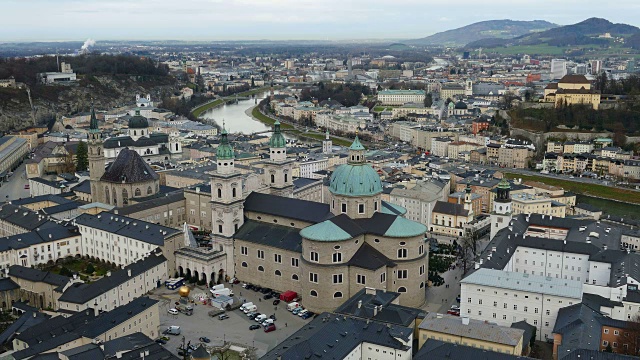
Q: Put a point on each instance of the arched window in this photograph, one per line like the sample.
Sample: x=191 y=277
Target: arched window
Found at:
x=402 y=253
x=422 y=285
x=138 y=192
x=313 y=293
x=149 y=190
x=286 y=177
x=294 y=277
x=134 y=133
x=233 y=192
x=244 y=264
x=278 y=273
x=125 y=197
x=260 y=268
x=176 y=147
x=337 y=294
x=402 y=289
x=219 y=193
x=106 y=195
x=273 y=178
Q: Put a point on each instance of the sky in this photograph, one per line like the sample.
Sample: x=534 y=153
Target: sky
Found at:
x=50 y=20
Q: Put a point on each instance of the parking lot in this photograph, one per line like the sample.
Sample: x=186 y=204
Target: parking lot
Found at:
x=234 y=329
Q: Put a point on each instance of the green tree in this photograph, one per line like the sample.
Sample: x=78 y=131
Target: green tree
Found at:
x=89 y=269
x=253 y=83
x=82 y=159
x=428 y=100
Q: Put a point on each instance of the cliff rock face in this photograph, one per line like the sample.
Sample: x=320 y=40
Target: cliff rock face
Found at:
x=106 y=92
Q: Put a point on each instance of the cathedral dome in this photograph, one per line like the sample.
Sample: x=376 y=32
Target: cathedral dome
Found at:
x=356 y=178
x=138 y=121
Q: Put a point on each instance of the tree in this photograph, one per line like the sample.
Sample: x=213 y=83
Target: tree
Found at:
x=608 y=349
x=89 y=269
x=65 y=272
x=428 y=100
x=253 y=83
x=82 y=159
x=633 y=338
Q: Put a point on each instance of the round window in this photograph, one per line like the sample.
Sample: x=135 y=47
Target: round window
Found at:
x=376 y=240
x=337 y=247
x=402 y=243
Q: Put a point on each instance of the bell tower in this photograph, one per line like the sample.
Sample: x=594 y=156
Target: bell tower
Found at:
x=227 y=201
x=501 y=213
x=278 y=169
x=96 y=158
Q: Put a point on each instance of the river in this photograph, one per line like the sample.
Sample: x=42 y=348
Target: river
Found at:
x=235 y=117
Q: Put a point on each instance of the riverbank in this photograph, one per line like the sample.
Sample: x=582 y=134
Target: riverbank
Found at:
x=599 y=191
x=255 y=113
x=197 y=111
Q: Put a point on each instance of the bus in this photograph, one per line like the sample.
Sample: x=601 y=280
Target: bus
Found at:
x=173 y=284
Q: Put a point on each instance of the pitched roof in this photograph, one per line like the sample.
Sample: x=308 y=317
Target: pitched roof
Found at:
x=440 y=350
x=574 y=79
x=309 y=211
x=448 y=208
x=476 y=329
x=525 y=282
x=367 y=257
x=129 y=227
x=278 y=236
x=129 y=167
x=36 y=275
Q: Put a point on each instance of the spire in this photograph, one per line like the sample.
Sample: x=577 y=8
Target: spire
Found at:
x=224 y=150
x=468 y=189
x=356 y=145
x=326 y=135
x=93 y=125
x=277 y=139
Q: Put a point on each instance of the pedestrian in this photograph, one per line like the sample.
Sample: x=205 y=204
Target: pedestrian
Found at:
x=260 y=299
x=285 y=325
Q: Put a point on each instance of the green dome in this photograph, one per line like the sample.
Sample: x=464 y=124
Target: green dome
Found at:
x=224 y=150
x=277 y=140
x=138 y=121
x=355 y=180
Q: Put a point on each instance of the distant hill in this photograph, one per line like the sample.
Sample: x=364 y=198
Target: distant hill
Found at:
x=500 y=29
x=582 y=33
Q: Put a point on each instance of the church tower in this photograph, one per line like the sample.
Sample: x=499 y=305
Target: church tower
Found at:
x=227 y=201
x=468 y=88
x=96 y=158
x=278 y=169
x=327 y=144
x=468 y=205
x=501 y=214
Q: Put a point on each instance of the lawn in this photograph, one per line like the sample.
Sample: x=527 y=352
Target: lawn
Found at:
x=611 y=207
x=382 y=108
x=601 y=191
x=78 y=265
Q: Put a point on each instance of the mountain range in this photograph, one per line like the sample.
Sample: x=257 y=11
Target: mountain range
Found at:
x=586 y=32
x=491 y=29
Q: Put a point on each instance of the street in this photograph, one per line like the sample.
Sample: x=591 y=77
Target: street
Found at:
x=14 y=188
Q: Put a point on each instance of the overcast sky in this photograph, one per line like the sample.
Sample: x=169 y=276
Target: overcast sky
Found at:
x=281 y=19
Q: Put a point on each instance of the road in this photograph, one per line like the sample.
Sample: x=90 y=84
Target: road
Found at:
x=14 y=188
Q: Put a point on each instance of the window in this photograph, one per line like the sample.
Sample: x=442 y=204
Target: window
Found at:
x=273 y=178
x=361 y=279
x=220 y=228
x=479 y=301
x=244 y=250
x=314 y=256
x=344 y=207
x=548 y=312
x=525 y=309
x=260 y=268
x=469 y=300
x=313 y=277
x=337 y=257
x=313 y=293
x=337 y=278
x=383 y=277
x=360 y=208
x=233 y=192
x=504 y=317
x=402 y=289
x=337 y=294
x=244 y=264
x=260 y=254
x=219 y=193
x=402 y=274
x=606 y=331
x=278 y=273
x=605 y=343
x=504 y=305
x=616 y=332
x=277 y=258
x=421 y=270
x=294 y=277
x=294 y=262
x=515 y=307
x=402 y=253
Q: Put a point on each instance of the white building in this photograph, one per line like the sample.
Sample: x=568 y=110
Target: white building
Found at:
x=400 y=97
x=420 y=200
x=507 y=297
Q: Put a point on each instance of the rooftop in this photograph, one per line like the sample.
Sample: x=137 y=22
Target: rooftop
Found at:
x=475 y=329
x=525 y=282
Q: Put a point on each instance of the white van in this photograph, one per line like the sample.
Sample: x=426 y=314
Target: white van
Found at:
x=302 y=312
x=267 y=322
x=173 y=330
x=260 y=318
x=244 y=306
x=217 y=287
x=250 y=308
x=292 y=306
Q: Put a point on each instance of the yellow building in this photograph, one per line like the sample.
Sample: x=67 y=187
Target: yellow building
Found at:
x=572 y=90
x=473 y=333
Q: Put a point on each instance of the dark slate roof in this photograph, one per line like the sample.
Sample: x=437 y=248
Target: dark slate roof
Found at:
x=129 y=227
x=367 y=257
x=83 y=187
x=25 y=321
x=129 y=167
x=131 y=346
x=117 y=142
x=440 y=350
x=7 y=284
x=596 y=301
x=59 y=330
x=302 y=182
x=331 y=336
x=80 y=293
x=31 y=200
x=277 y=236
x=23 y=218
x=309 y=211
x=448 y=208
x=584 y=354
x=387 y=312
x=36 y=275
x=52 y=232
x=528 y=331
x=165 y=199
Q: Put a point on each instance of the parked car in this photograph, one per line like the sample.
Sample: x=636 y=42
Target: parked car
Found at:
x=267 y=297
x=173 y=311
x=254 y=327
x=302 y=312
x=252 y=315
x=265 y=290
x=275 y=294
x=307 y=315
x=455 y=307
x=245 y=286
x=273 y=317
x=223 y=316
x=234 y=281
x=256 y=288
x=453 y=312
x=161 y=341
x=297 y=310
x=276 y=301
x=270 y=328
x=205 y=339
x=267 y=322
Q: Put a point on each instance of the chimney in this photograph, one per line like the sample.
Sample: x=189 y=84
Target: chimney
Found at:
x=465 y=320
x=477 y=266
x=129 y=272
x=359 y=304
x=605 y=247
x=96 y=312
x=35 y=314
x=375 y=311
x=108 y=273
